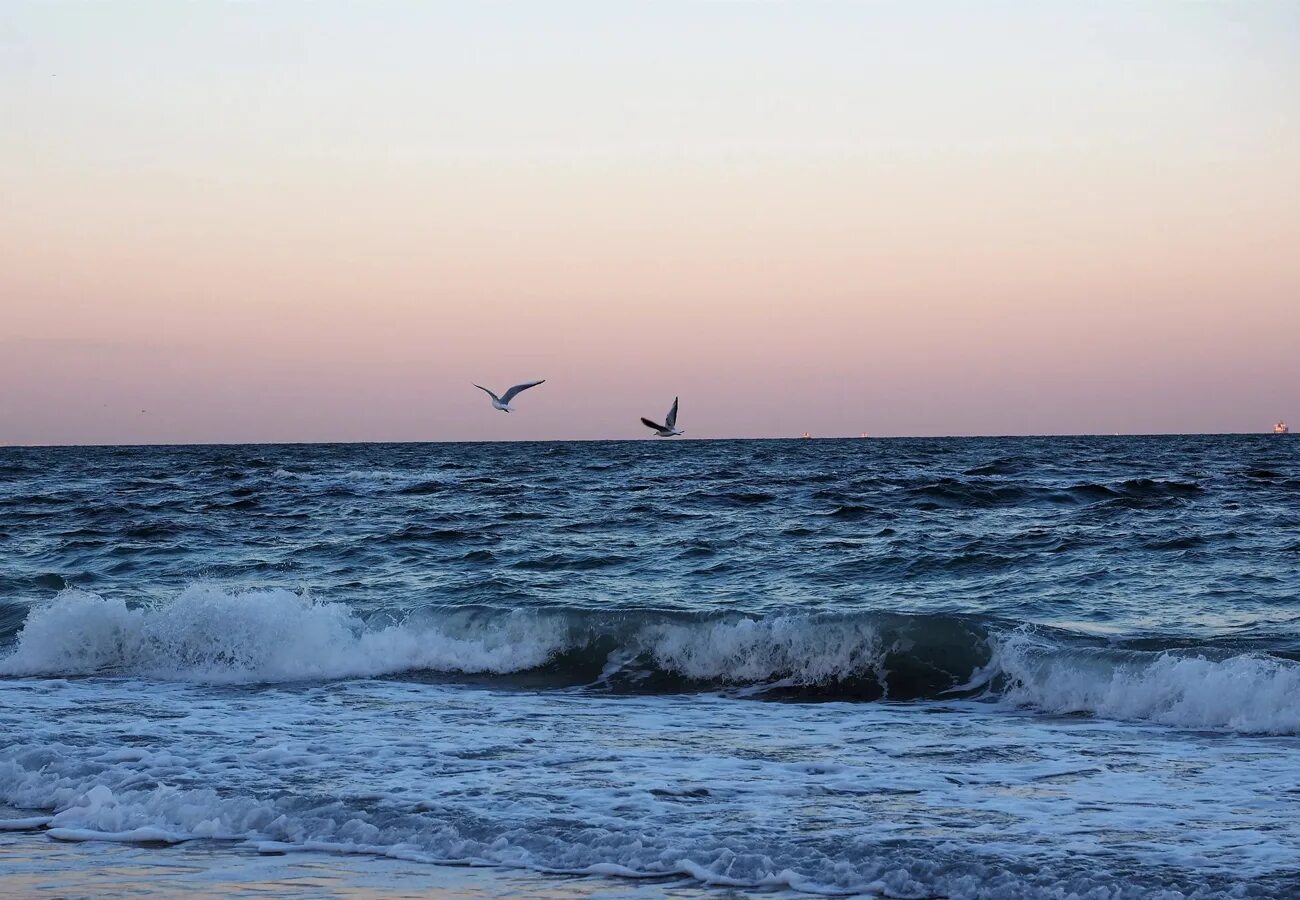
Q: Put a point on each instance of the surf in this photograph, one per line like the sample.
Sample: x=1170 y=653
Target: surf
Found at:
x=210 y=634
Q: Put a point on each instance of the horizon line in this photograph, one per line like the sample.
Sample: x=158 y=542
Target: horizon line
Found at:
x=871 y=437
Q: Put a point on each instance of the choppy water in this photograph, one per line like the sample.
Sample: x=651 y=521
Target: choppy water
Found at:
x=1041 y=666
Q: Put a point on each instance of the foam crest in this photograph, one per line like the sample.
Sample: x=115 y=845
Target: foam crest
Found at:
x=803 y=650
x=1247 y=693
x=209 y=634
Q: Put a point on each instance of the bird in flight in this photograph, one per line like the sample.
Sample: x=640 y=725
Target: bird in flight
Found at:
x=669 y=427
x=503 y=402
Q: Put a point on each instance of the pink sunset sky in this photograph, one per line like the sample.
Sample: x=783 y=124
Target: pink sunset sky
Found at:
x=323 y=221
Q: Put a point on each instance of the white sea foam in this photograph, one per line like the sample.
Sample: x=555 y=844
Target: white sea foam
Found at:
x=1246 y=693
x=210 y=634
x=800 y=649
x=894 y=799
x=207 y=633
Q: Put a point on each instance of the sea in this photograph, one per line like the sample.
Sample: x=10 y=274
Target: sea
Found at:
x=1049 y=667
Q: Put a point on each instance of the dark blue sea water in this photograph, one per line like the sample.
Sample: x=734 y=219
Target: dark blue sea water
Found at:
x=916 y=668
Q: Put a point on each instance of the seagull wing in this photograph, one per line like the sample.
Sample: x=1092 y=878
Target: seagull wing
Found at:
x=489 y=393
x=510 y=394
x=648 y=424
x=671 y=421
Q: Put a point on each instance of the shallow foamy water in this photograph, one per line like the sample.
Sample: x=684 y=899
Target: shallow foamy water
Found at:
x=910 y=800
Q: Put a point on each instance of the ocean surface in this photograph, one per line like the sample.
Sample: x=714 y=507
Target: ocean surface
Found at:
x=1038 y=667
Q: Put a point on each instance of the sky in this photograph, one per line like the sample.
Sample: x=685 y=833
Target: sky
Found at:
x=294 y=221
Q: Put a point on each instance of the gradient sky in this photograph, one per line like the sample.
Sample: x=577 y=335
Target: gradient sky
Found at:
x=323 y=221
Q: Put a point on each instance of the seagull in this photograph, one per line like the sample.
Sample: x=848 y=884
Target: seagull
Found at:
x=503 y=402
x=669 y=428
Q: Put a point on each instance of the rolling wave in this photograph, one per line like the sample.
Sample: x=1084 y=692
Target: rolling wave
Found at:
x=207 y=634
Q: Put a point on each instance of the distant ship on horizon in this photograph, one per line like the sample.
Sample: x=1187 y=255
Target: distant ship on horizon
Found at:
x=1281 y=428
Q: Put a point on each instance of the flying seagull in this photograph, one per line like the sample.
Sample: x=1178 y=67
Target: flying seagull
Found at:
x=669 y=427
x=503 y=402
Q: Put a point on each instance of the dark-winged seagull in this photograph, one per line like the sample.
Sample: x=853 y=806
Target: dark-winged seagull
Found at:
x=669 y=427
x=503 y=402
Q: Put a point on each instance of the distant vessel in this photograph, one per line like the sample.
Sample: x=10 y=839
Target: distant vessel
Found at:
x=807 y=434
x=1280 y=428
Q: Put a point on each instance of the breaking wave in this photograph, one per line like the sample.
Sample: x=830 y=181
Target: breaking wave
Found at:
x=1248 y=693
x=207 y=634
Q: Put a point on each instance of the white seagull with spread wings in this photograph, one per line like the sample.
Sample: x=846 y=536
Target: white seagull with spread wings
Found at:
x=503 y=402
x=669 y=427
